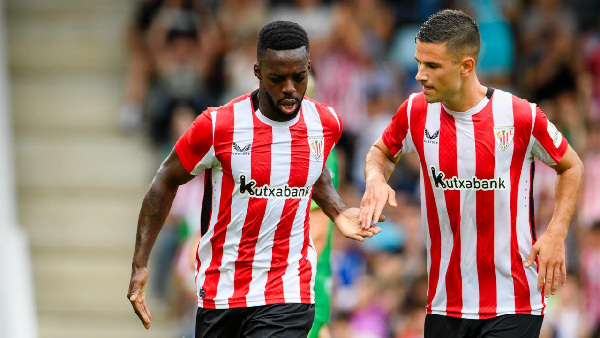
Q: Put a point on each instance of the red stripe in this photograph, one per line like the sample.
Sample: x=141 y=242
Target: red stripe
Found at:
x=224 y=127
x=305 y=270
x=417 y=121
x=448 y=165
x=485 y=148
x=299 y=162
x=260 y=171
x=522 y=122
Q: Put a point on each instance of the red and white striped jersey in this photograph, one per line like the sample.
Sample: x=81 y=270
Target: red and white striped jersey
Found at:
x=257 y=249
x=476 y=207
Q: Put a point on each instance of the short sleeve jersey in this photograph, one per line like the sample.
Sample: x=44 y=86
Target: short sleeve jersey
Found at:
x=257 y=248
x=476 y=199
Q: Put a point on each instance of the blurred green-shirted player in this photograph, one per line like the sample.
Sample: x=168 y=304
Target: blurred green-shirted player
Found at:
x=321 y=230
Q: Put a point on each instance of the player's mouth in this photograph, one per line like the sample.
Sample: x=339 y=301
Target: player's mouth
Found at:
x=427 y=89
x=288 y=106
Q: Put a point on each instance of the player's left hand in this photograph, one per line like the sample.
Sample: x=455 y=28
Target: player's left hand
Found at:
x=349 y=225
x=551 y=250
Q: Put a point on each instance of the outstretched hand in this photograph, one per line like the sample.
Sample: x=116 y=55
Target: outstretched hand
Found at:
x=551 y=251
x=348 y=223
x=377 y=193
x=137 y=295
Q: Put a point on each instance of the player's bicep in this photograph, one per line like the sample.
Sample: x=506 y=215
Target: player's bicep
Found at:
x=569 y=160
x=173 y=171
x=379 y=144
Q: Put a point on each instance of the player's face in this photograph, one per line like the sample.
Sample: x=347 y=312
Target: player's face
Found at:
x=438 y=72
x=283 y=78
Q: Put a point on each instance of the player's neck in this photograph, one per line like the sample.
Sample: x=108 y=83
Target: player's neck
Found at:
x=471 y=94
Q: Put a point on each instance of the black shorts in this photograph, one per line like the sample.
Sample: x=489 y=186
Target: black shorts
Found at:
x=279 y=320
x=505 y=326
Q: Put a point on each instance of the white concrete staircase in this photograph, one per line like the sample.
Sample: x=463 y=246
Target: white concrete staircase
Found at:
x=80 y=182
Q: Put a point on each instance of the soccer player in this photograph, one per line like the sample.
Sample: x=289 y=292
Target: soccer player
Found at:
x=488 y=273
x=263 y=156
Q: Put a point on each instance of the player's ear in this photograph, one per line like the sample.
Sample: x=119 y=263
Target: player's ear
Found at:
x=257 y=71
x=309 y=67
x=467 y=66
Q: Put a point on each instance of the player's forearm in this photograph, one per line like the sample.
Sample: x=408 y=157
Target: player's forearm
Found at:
x=155 y=208
x=326 y=197
x=378 y=165
x=568 y=184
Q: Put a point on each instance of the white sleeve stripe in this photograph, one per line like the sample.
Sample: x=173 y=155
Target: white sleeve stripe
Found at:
x=213 y=119
x=410 y=100
x=335 y=115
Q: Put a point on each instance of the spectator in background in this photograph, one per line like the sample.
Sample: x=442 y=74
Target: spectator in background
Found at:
x=179 y=77
x=590 y=46
x=548 y=63
x=565 y=315
x=496 y=58
x=341 y=81
x=590 y=261
x=589 y=209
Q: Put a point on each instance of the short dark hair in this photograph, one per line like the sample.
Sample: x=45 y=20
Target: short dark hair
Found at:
x=281 y=35
x=454 y=27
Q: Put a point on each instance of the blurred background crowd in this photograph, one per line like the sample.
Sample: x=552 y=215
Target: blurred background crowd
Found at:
x=187 y=55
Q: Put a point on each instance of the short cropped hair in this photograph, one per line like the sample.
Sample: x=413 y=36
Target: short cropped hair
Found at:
x=455 y=28
x=281 y=35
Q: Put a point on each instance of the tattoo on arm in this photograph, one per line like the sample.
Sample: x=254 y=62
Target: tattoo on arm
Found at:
x=154 y=207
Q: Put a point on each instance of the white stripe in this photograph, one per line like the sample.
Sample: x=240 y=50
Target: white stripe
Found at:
x=206 y=161
x=205 y=247
x=432 y=156
x=425 y=224
x=243 y=133
x=523 y=225
x=408 y=145
x=280 y=174
x=502 y=108
x=466 y=163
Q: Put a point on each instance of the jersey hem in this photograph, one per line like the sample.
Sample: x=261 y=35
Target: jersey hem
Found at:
x=225 y=304
x=537 y=312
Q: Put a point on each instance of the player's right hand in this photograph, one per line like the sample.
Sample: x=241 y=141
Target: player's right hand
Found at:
x=377 y=193
x=137 y=294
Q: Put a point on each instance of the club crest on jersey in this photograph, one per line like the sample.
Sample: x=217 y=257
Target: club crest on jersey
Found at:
x=554 y=134
x=317 y=146
x=504 y=135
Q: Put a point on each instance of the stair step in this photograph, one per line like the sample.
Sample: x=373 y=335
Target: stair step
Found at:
x=69 y=47
x=82 y=282
x=78 y=223
x=80 y=162
x=66 y=103
x=77 y=325
x=90 y=286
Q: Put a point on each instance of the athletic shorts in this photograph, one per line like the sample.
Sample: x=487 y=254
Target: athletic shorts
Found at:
x=279 y=320
x=505 y=326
